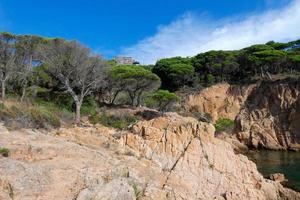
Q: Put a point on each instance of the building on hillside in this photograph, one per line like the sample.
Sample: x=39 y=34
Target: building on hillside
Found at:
x=123 y=60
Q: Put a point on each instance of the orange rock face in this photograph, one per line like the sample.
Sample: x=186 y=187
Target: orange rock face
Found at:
x=271 y=116
x=220 y=101
x=166 y=158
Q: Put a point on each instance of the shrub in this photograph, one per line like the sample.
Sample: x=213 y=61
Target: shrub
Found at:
x=224 y=124
x=4 y=152
x=16 y=115
x=163 y=99
x=137 y=191
x=41 y=117
x=89 y=106
x=115 y=121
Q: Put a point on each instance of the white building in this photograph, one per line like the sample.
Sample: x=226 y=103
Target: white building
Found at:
x=123 y=60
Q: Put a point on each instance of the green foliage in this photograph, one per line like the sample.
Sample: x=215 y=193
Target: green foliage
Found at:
x=216 y=65
x=111 y=63
x=131 y=73
x=30 y=116
x=137 y=191
x=120 y=121
x=42 y=78
x=135 y=80
x=210 y=78
x=174 y=72
x=163 y=99
x=89 y=106
x=224 y=124
x=4 y=152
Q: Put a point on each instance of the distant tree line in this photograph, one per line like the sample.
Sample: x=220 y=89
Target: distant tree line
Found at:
x=257 y=61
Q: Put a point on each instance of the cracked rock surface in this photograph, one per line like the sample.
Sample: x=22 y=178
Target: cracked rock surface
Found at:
x=170 y=157
x=271 y=116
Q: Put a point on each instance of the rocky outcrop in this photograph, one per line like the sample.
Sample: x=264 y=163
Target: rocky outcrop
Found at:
x=219 y=101
x=196 y=165
x=169 y=157
x=271 y=116
x=278 y=177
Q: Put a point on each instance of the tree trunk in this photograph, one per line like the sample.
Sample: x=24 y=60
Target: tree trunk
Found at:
x=139 y=98
x=77 y=113
x=3 y=90
x=132 y=98
x=24 y=91
x=114 y=98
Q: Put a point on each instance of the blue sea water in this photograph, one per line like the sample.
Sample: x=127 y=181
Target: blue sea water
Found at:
x=287 y=163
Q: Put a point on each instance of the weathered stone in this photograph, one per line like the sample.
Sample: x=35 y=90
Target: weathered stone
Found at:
x=271 y=116
x=278 y=177
x=220 y=100
x=170 y=157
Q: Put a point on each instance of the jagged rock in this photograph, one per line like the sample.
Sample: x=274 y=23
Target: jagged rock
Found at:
x=278 y=177
x=116 y=189
x=170 y=157
x=197 y=165
x=220 y=100
x=271 y=116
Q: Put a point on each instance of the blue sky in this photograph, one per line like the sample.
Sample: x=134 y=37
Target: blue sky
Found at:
x=145 y=29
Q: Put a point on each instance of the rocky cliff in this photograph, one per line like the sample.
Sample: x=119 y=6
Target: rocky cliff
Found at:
x=271 y=116
x=169 y=157
x=267 y=114
x=219 y=101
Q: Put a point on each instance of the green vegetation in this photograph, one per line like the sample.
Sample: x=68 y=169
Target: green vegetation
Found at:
x=4 y=152
x=174 y=72
x=224 y=124
x=118 y=121
x=137 y=191
x=163 y=100
x=134 y=80
x=263 y=61
x=18 y=115
x=45 y=81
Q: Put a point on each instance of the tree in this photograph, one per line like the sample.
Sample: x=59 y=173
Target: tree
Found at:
x=26 y=50
x=164 y=99
x=174 y=72
x=8 y=57
x=135 y=80
x=269 y=61
x=73 y=65
x=222 y=65
x=294 y=61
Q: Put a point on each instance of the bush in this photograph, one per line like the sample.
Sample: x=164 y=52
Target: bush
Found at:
x=17 y=115
x=115 y=121
x=89 y=106
x=224 y=124
x=162 y=99
x=4 y=152
x=42 y=117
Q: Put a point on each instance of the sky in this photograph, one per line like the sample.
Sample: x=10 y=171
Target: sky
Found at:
x=149 y=30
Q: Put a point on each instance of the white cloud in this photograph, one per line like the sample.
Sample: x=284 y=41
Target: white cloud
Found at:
x=192 y=34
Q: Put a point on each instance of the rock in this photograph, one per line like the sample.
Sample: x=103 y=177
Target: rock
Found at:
x=166 y=158
x=278 y=177
x=271 y=116
x=116 y=189
x=197 y=165
x=220 y=100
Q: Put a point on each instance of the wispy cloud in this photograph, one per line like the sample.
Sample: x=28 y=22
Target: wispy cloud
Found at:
x=192 y=34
